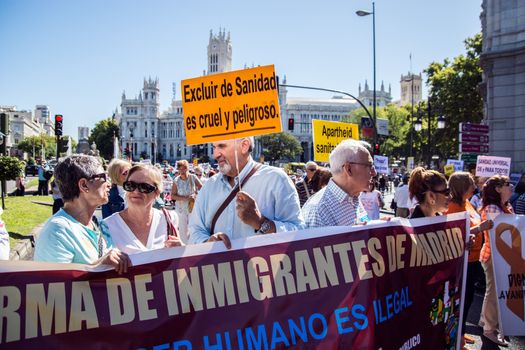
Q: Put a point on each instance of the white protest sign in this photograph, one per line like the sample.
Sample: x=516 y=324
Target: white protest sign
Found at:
x=488 y=166
x=382 y=126
x=458 y=164
x=381 y=164
x=506 y=250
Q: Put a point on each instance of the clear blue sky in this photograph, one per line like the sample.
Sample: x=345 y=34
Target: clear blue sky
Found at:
x=78 y=56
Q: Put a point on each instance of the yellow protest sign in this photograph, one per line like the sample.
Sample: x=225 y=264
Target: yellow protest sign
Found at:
x=327 y=135
x=449 y=169
x=231 y=105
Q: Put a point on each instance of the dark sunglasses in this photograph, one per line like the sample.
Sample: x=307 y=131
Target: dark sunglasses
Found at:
x=507 y=183
x=445 y=192
x=102 y=176
x=130 y=186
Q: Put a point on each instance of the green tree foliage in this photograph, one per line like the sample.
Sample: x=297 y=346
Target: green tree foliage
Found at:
x=10 y=168
x=397 y=143
x=454 y=93
x=282 y=146
x=102 y=135
x=36 y=143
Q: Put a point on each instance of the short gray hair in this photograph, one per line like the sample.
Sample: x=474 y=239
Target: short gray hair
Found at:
x=70 y=170
x=346 y=151
x=311 y=163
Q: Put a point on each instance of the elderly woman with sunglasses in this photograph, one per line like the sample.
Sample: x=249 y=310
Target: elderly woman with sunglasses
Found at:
x=73 y=234
x=430 y=189
x=140 y=227
x=495 y=198
x=117 y=171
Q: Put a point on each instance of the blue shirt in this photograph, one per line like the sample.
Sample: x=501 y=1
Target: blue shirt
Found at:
x=65 y=240
x=332 y=206
x=41 y=172
x=272 y=190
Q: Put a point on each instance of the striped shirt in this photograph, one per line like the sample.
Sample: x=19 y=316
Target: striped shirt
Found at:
x=520 y=205
x=332 y=206
x=304 y=190
x=490 y=212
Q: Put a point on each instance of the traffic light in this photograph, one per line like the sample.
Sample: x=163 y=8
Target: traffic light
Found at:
x=290 y=124
x=376 y=149
x=58 y=124
x=63 y=144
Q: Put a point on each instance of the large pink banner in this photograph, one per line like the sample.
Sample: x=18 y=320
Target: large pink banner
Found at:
x=393 y=285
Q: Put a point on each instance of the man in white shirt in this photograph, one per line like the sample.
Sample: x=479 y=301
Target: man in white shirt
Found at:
x=402 y=199
x=268 y=202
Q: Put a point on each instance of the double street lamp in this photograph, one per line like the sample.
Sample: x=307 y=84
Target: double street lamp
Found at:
x=362 y=13
x=418 y=125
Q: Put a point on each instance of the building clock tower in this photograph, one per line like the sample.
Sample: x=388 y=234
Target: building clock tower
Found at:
x=219 y=53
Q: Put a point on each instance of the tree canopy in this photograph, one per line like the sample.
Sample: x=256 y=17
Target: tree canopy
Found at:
x=281 y=146
x=102 y=135
x=10 y=168
x=455 y=94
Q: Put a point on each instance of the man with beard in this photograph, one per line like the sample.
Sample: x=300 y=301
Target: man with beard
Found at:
x=338 y=203
x=268 y=202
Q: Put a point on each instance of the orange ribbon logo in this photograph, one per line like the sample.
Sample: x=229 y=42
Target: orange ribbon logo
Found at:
x=512 y=255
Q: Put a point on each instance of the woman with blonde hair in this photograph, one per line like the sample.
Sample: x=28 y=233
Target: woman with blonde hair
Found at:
x=183 y=192
x=117 y=171
x=462 y=186
x=430 y=189
x=140 y=227
x=495 y=198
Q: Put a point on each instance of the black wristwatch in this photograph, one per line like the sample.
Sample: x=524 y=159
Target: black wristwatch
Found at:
x=266 y=226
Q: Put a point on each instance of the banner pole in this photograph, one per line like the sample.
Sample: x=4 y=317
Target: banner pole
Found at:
x=237 y=164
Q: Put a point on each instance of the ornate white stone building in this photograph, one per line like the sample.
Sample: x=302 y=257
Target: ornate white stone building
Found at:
x=382 y=97
x=160 y=135
x=503 y=86
x=22 y=124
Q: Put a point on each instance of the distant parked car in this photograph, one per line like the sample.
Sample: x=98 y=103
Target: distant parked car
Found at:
x=31 y=170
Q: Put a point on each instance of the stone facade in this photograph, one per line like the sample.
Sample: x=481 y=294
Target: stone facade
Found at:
x=411 y=89
x=382 y=97
x=23 y=124
x=503 y=87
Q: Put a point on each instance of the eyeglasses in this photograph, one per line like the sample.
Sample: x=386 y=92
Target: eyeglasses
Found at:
x=508 y=184
x=102 y=176
x=445 y=192
x=130 y=186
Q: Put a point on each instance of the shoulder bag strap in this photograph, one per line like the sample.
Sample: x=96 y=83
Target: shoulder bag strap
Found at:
x=100 y=243
x=306 y=189
x=230 y=197
x=170 y=227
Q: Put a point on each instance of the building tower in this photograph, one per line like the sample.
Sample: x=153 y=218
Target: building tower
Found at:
x=219 y=53
x=411 y=88
x=151 y=104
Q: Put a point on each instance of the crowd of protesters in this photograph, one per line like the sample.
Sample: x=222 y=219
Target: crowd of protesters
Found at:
x=246 y=198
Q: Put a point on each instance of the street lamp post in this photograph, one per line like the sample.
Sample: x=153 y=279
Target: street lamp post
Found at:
x=418 y=126
x=362 y=13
